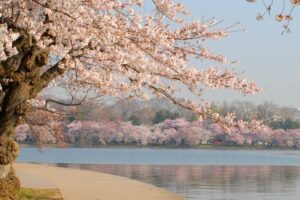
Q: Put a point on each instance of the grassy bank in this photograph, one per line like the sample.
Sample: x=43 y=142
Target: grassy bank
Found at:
x=40 y=194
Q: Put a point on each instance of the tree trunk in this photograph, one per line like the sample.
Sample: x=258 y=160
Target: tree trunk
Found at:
x=13 y=108
x=10 y=185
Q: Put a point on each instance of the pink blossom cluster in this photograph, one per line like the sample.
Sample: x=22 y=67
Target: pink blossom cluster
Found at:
x=6 y=41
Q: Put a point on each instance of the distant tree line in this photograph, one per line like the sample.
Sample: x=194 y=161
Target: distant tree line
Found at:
x=270 y=114
x=155 y=111
x=137 y=112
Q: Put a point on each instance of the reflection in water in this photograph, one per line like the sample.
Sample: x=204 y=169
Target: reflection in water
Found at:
x=212 y=182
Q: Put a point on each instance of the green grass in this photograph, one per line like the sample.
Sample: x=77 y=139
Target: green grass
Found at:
x=40 y=194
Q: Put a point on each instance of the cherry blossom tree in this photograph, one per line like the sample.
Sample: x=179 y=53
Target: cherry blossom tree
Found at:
x=111 y=46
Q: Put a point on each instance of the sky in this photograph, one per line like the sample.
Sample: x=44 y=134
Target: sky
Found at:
x=264 y=54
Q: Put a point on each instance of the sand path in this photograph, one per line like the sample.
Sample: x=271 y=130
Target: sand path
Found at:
x=77 y=184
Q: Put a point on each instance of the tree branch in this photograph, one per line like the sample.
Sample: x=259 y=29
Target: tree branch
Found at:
x=63 y=103
x=50 y=75
x=53 y=9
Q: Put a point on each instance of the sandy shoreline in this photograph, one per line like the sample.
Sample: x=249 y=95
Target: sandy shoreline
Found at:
x=87 y=185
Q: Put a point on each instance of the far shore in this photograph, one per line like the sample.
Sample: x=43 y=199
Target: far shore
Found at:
x=204 y=146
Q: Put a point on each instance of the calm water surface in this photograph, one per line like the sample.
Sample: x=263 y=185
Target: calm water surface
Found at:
x=193 y=173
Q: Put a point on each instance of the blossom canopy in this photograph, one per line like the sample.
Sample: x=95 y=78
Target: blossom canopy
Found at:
x=114 y=47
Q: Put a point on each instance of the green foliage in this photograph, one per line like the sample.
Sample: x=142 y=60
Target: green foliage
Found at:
x=162 y=115
x=192 y=117
x=285 y=124
x=134 y=120
x=290 y=124
x=40 y=194
x=277 y=124
x=215 y=108
x=71 y=117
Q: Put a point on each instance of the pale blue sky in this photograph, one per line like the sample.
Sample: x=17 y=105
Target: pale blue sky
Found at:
x=266 y=56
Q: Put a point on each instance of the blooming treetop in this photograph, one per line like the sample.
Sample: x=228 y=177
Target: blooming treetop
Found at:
x=114 y=47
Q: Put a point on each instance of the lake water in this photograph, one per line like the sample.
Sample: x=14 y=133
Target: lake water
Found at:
x=193 y=173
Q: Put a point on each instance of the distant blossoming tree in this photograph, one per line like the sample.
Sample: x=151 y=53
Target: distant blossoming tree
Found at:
x=111 y=46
